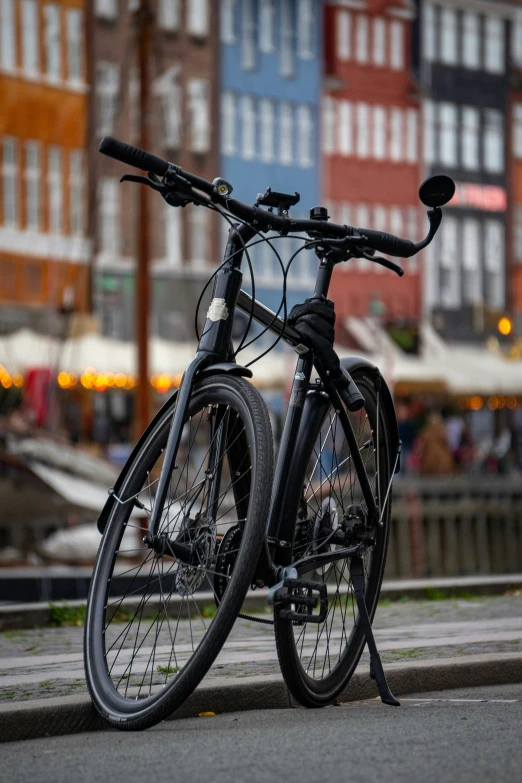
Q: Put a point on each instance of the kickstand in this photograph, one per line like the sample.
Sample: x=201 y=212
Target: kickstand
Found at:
x=376 y=670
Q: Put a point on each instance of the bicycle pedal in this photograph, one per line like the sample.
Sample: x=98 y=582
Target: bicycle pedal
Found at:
x=305 y=596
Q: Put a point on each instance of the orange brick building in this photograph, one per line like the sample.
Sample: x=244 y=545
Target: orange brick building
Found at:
x=44 y=252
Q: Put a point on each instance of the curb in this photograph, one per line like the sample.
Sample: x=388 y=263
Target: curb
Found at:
x=75 y=714
x=38 y=615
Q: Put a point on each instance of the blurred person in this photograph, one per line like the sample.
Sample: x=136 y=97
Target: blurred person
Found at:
x=500 y=450
x=435 y=455
x=408 y=432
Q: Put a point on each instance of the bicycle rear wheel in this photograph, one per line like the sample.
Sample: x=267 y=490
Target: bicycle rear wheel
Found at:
x=317 y=661
x=155 y=624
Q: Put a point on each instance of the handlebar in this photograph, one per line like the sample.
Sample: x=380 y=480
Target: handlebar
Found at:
x=261 y=219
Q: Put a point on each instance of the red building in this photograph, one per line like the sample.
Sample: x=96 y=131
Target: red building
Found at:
x=371 y=145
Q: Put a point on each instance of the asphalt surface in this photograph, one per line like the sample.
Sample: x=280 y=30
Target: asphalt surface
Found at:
x=465 y=735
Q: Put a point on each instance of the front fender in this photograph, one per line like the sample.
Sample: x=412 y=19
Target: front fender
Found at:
x=168 y=408
x=352 y=363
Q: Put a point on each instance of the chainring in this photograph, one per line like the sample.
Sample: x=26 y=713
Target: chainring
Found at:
x=226 y=559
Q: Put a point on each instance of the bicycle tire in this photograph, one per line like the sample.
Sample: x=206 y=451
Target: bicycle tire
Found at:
x=296 y=665
x=123 y=711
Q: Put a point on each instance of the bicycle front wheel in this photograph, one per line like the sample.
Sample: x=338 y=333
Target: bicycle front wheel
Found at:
x=155 y=623
x=317 y=661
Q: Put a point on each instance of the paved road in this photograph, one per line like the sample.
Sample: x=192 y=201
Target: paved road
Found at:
x=468 y=735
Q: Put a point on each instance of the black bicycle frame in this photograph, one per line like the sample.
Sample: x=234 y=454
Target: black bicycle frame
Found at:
x=215 y=346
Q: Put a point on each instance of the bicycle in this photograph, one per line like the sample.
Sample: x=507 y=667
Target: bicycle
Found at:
x=200 y=484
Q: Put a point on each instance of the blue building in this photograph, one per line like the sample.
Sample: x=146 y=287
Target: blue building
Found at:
x=271 y=65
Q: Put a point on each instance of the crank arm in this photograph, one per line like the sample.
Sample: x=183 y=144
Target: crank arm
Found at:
x=324 y=558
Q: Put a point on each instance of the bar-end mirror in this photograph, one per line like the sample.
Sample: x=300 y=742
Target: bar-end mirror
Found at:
x=437 y=191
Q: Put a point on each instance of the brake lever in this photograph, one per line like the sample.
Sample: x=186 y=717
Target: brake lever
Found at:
x=177 y=191
x=384 y=262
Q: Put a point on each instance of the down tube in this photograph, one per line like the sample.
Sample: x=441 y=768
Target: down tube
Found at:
x=287 y=447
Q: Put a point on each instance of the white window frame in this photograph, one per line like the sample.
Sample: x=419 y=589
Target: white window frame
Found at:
x=287 y=39
x=470 y=138
x=109 y=217
x=379 y=41
x=345 y=127
x=397 y=45
x=363 y=220
x=74 y=21
x=266 y=26
x=449 y=49
x=362 y=35
x=173 y=237
x=77 y=193
x=197 y=18
x=516 y=38
x=379 y=135
x=286 y=133
x=199 y=225
x=493 y=139
x=397 y=222
x=411 y=135
x=267 y=126
x=30 y=38
x=429 y=124
x=8 y=35
x=494 y=45
x=329 y=125
x=471 y=40
x=362 y=119
x=10 y=194
x=107 y=88
x=305 y=136
x=517 y=130
x=248 y=127
x=55 y=189
x=306 y=29
x=228 y=123
x=248 y=35
x=471 y=266
x=429 y=33
x=198 y=107
x=107 y=9
x=448 y=134
x=169 y=13
x=52 y=41
x=169 y=91
x=449 y=264
x=494 y=264
x=517 y=233
x=343 y=37
x=33 y=181
x=396 y=134
x=228 y=21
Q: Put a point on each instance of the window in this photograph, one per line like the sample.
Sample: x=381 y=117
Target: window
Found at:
x=305 y=136
x=30 y=36
x=380 y=218
x=305 y=29
x=412 y=232
x=516 y=39
x=107 y=8
x=396 y=222
x=328 y=125
x=286 y=134
x=173 y=237
x=198 y=110
x=266 y=26
x=33 y=178
x=168 y=14
x=344 y=33
x=448 y=134
x=228 y=123
x=267 y=121
x=55 y=185
x=363 y=219
x=471 y=268
x=76 y=192
x=397 y=45
x=7 y=34
x=287 y=43
x=379 y=132
x=428 y=34
x=134 y=104
x=109 y=217
x=361 y=47
x=227 y=16
x=396 y=134
x=74 y=45
x=363 y=120
x=517 y=236
x=345 y=128
x=52 y=41
x=197 y=19
x=248 y=36
x=448 y=36
x=449 y=271
x=379 y=41
x=517 y=130
x=429 y=131
x=494 y=45
x=494 y=264
x=470 y=138
x=107 y=87
x=198 y=235
x=248 y=127
x=493 y=141
x=471 y=40
x=168 y=89
x=10 y=181
x=411 y=135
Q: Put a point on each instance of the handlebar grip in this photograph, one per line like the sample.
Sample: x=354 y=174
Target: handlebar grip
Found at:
x=388 y=243
x=133 y=156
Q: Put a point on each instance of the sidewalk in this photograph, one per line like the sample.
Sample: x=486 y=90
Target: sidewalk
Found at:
x=39 y=663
